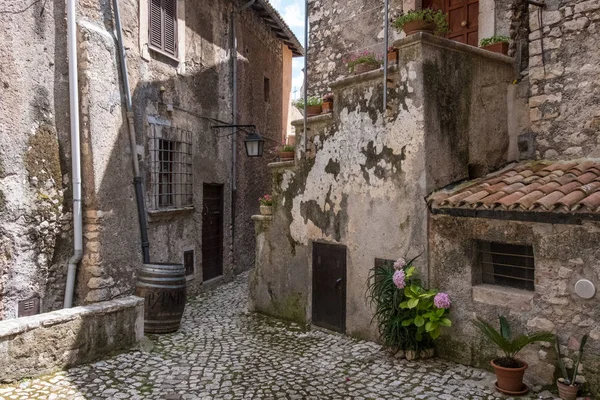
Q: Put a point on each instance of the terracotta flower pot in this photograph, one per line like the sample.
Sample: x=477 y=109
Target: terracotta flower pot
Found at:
x=427 y=353
x=392 y=57
x=311 y=111
x=499 y=47
x=567 y=392
x=327 y=107
x=364 y=67
x=510 y=380
x=266 y=210
x=413 y=27
x=410 y=355
x=286 y=155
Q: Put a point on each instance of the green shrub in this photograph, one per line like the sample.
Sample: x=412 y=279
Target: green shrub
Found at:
x=365 y=57
x=310 y=101
x=427 y=15
x=288 y=147
x=494 y=39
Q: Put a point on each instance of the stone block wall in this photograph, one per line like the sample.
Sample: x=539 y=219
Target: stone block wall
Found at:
x=563 y=255
x=564 y=73
x=40 y=344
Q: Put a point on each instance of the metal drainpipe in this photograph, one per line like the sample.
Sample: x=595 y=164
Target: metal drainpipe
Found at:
x=234 y=116
x=305 y=72
x=75 y=154
x=385 y=59
x=137 y=179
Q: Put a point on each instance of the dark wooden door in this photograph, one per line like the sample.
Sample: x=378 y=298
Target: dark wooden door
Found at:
x=463 y=18
x=329 y=286
x=212 y=232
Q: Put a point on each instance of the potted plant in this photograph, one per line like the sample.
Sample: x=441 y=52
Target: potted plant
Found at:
x=510 y=370
x=287 y=152
x=567 y=385
x=328 y=103
x=313 y=105
x=497 y=44
x=392 y=56
x=360 y=63
x=266 y=204
x=426 y=20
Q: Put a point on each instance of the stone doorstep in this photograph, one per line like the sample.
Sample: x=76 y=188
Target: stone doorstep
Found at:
x=16 y=326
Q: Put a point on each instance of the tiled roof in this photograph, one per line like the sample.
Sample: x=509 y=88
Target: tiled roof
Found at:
x=277 y=24
x=534 y=186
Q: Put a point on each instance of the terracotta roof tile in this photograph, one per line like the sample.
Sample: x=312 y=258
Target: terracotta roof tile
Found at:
x=561 y=186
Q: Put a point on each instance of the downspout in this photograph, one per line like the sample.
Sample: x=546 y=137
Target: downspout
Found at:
x=234 y=100
x=385 y=58
x=75 y=154
x=137 y=179
x=305 y=72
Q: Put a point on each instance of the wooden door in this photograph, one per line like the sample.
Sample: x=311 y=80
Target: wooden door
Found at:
x=463 y=18
x=212 y=232
x=329 y=286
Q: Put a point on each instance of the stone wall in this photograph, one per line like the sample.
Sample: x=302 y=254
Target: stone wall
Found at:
x=362 y=181
x=563 y=255
x=40 y=344
x=564 y=73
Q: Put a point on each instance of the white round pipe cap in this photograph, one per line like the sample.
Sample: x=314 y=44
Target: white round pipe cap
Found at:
x=585 y=289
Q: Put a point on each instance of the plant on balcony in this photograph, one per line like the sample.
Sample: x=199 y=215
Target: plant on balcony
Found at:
x=426 y=20
x=313 y=105
x=266 y=204
x=365 y=61
x=567 y=385
x=328 y=103
x=497 y=44
x=287 y=152
x=510 y=370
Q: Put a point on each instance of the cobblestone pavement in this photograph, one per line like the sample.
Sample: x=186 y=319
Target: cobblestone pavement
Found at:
x=223 y=352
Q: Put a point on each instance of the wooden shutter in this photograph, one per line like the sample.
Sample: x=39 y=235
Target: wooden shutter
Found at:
x=162 y=30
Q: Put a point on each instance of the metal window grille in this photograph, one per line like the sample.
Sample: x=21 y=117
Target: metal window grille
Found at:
x=171 y=167
x=507 y=265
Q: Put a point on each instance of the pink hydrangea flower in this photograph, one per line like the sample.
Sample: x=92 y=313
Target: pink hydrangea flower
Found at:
x=399 y=264
x=399 y=279
x=442 y=300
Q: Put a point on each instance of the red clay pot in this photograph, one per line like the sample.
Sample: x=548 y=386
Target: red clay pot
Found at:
x=499 y=47
x=510 y=379
x=311 y=111
x=286 y=155
x=392 y=57
x=567 y=392
x=413 y=27
x=327 y=107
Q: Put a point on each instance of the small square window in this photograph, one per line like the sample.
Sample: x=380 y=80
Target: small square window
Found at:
x=267 y=86
x=505 y=264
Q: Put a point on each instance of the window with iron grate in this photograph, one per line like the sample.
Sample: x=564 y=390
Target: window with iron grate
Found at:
x=171 y=167
x=507 y=265
x=162 y=26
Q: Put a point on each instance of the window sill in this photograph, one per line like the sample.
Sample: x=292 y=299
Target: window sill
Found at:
x=515 y=299
x=168 y=213
x=163 y=53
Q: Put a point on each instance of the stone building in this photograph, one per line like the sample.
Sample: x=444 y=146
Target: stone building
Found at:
x=441 y=174
x=199 y=194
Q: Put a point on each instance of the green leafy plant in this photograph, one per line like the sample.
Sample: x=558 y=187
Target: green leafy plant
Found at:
x=510 y=347
x=365 y=57
x=310 y=101
x=426 y=310
x=570 y=380
x=427 y=15
x=494 y=39
x=288 y=148
x=266 y=200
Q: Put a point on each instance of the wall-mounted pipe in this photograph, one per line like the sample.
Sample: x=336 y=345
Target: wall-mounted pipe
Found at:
x=305 y=94
x=386 y=28
x=75 y=154
x=137 y=178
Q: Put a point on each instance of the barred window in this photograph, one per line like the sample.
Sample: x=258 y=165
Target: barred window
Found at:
x=507 y=265
x=171 y=167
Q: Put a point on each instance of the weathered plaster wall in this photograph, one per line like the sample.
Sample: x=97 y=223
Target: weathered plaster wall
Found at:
x=564 y=72
x=34 y=195
x=362 y=182
x=563 y=255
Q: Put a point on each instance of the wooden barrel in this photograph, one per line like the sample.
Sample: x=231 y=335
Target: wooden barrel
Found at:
x=163 y=288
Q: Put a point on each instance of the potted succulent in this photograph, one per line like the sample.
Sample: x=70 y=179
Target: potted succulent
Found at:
x=266 y=204
x=392 y=56
x=426 y=20
x=510 y=370
x=360 y=63
x=497 y=44
x=313 y=105
x=328 y=103
x=567 y=385
x=287 y=152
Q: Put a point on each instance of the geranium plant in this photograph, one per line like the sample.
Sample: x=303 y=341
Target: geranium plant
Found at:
x=328 y=97
x=427 y=15
x=310 y=101
x=365 y=57
x=266 y=200
x=492 y=40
